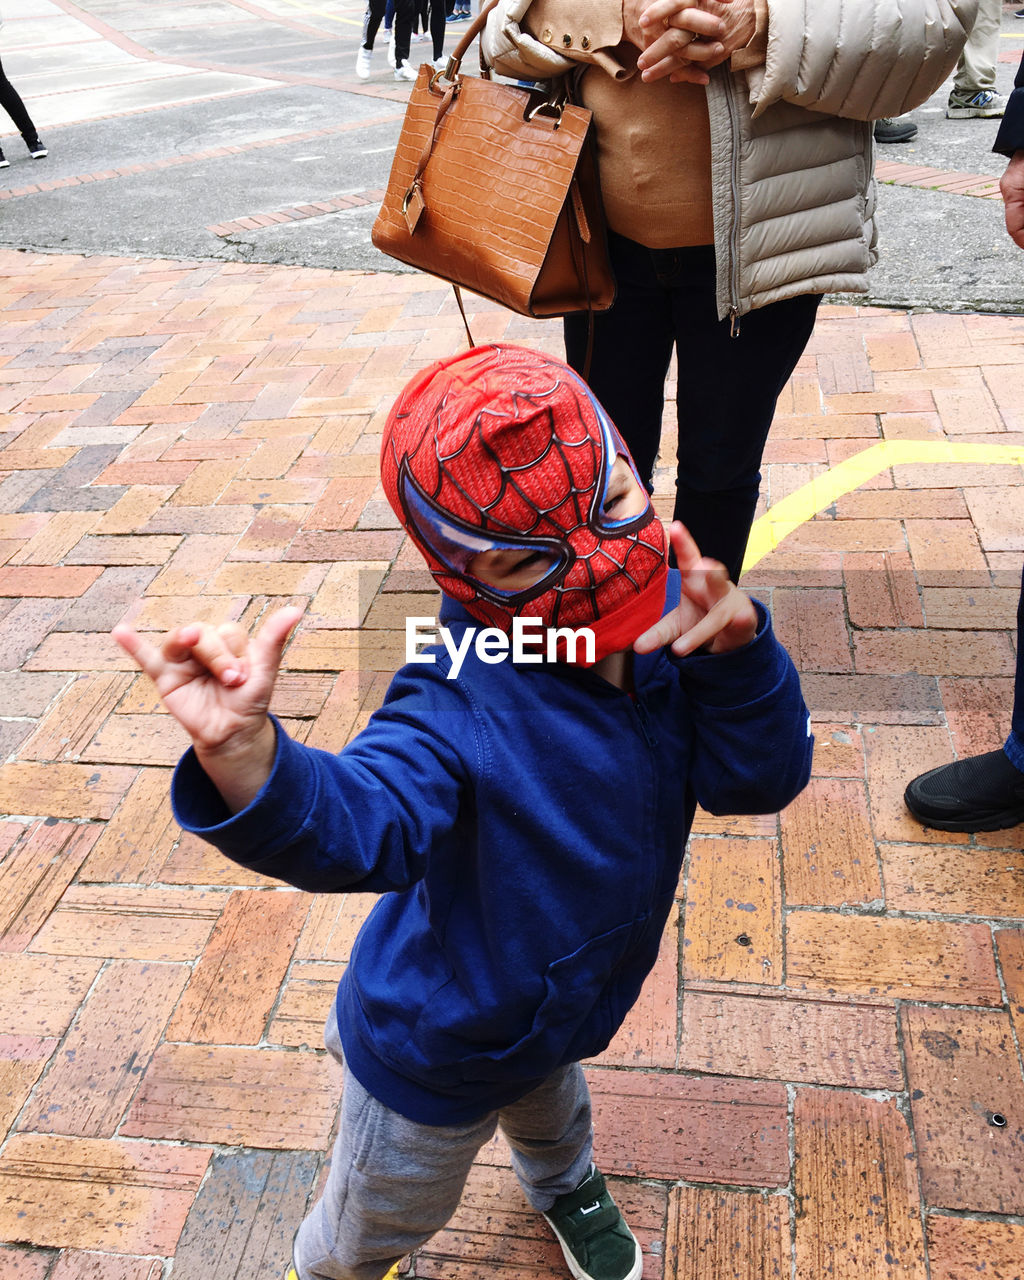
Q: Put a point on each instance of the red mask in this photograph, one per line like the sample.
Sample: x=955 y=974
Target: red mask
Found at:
x=502 y=448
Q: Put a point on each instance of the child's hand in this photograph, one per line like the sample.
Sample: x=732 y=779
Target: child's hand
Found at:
x=712 y=610
x=216 y=682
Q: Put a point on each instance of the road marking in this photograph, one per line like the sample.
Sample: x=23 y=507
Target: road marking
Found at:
x=797 y=508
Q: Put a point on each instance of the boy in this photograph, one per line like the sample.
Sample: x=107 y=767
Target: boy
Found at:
x=526 y=821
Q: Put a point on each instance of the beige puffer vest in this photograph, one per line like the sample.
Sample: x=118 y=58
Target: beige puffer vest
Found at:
x=792 y=165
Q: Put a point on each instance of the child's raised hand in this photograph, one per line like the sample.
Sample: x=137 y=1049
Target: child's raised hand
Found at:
x=712 y=610
x=217 y=683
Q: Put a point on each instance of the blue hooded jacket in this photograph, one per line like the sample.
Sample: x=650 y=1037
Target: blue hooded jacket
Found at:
x=526 y=824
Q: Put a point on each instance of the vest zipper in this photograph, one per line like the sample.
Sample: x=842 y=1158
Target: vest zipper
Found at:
x=734 y=227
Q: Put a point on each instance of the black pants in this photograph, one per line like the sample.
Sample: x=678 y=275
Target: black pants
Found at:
x=728 y=386
x=374 y=16
x=11 y=102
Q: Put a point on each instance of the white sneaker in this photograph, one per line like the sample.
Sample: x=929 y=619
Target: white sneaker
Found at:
x=404 y=72
x=363 y=60
x=420 y=37
x=391 y=50
x=439 y=64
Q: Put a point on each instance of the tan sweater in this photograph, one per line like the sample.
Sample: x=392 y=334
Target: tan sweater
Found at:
x=653 y=140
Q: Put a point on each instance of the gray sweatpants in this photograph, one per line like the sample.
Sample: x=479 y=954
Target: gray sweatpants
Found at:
x=393 y=1183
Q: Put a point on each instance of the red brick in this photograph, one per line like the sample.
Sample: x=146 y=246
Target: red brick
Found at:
x=733 y=911
x=90 y=1193
x=928 y=652
x=787 y=1039
x=23 y=1264
x=895 y=755
x=70 y=724
x=22 y=1059
x=139 y=835
x=731 y=1235
x=838 y=752
x=63 y=790
x=977 y=712
x=963 y=1068
x=40 y=994
x=946 y=553
x=76 y=1265
x=49 y=581
x=881 y=590
x=693 y=1129
x=1010 y=950
x=953 y=881
x=827 y=847
x=811 y=623
x=235 y=985
x=144 y=740
x=151 y=924
x=273 y=1098
x=96 y=1071
x=856 y=1189
x=891 y=957
x=962 y=1247
x=35 y=876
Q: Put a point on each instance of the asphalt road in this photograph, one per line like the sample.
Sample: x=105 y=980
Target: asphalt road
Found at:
x=170 y=118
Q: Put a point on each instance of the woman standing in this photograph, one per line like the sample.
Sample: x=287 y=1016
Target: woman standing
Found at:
x=735 y=155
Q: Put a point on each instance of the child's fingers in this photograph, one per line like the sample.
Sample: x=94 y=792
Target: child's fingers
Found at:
x=273 y=636
x=685 y=550
x=201 y=642
x=145 y=656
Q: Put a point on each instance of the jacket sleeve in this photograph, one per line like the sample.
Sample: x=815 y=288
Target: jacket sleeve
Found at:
x=365 y=819
x=862 y=59
x=1010 y=137
x=754 y=742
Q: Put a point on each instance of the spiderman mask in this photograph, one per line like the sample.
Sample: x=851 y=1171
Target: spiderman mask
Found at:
x=502 y=457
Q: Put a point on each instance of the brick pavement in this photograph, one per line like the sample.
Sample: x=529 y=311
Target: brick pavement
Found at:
x=810 y=1082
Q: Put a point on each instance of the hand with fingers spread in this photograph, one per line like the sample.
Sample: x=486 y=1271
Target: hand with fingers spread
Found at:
x=217 y=682
x=712 y=611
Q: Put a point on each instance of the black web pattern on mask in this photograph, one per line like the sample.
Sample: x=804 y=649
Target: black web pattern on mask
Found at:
x=581 y=498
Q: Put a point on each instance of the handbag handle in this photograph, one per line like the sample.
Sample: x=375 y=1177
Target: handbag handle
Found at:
x=460 y=50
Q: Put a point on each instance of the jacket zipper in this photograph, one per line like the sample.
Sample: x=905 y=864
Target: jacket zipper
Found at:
x=734 y=228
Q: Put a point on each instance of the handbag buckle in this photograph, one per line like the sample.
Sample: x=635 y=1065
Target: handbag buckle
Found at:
x=553 y=110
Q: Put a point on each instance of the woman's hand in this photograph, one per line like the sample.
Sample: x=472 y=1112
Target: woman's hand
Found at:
x=712 y=610
x=683 y=39
x=217 y=682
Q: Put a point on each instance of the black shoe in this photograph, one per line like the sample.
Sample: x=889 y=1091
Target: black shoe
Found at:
x=979 y=793
x=1018 y=13
x=4 y=162
x=897 y=129
x=35 y=148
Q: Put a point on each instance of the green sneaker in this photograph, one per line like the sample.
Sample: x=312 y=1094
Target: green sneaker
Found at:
x=593 y=1234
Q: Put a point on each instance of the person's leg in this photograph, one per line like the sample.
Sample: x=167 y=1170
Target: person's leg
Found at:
x=372 y=19
x=976 y=69
x=403 y=33
x=632 y=349
x=437 y=28
x=983 y=792
x=551 y=1137
x=392 y=1185
x=10 y=100
x=727 y=390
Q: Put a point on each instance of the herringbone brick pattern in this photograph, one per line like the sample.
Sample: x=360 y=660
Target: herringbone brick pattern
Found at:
x=813 y=1080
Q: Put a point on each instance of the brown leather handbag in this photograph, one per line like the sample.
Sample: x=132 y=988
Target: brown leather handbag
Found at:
x=494 y=187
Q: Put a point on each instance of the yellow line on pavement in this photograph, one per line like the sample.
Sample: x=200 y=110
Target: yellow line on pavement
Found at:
x=797 y=508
